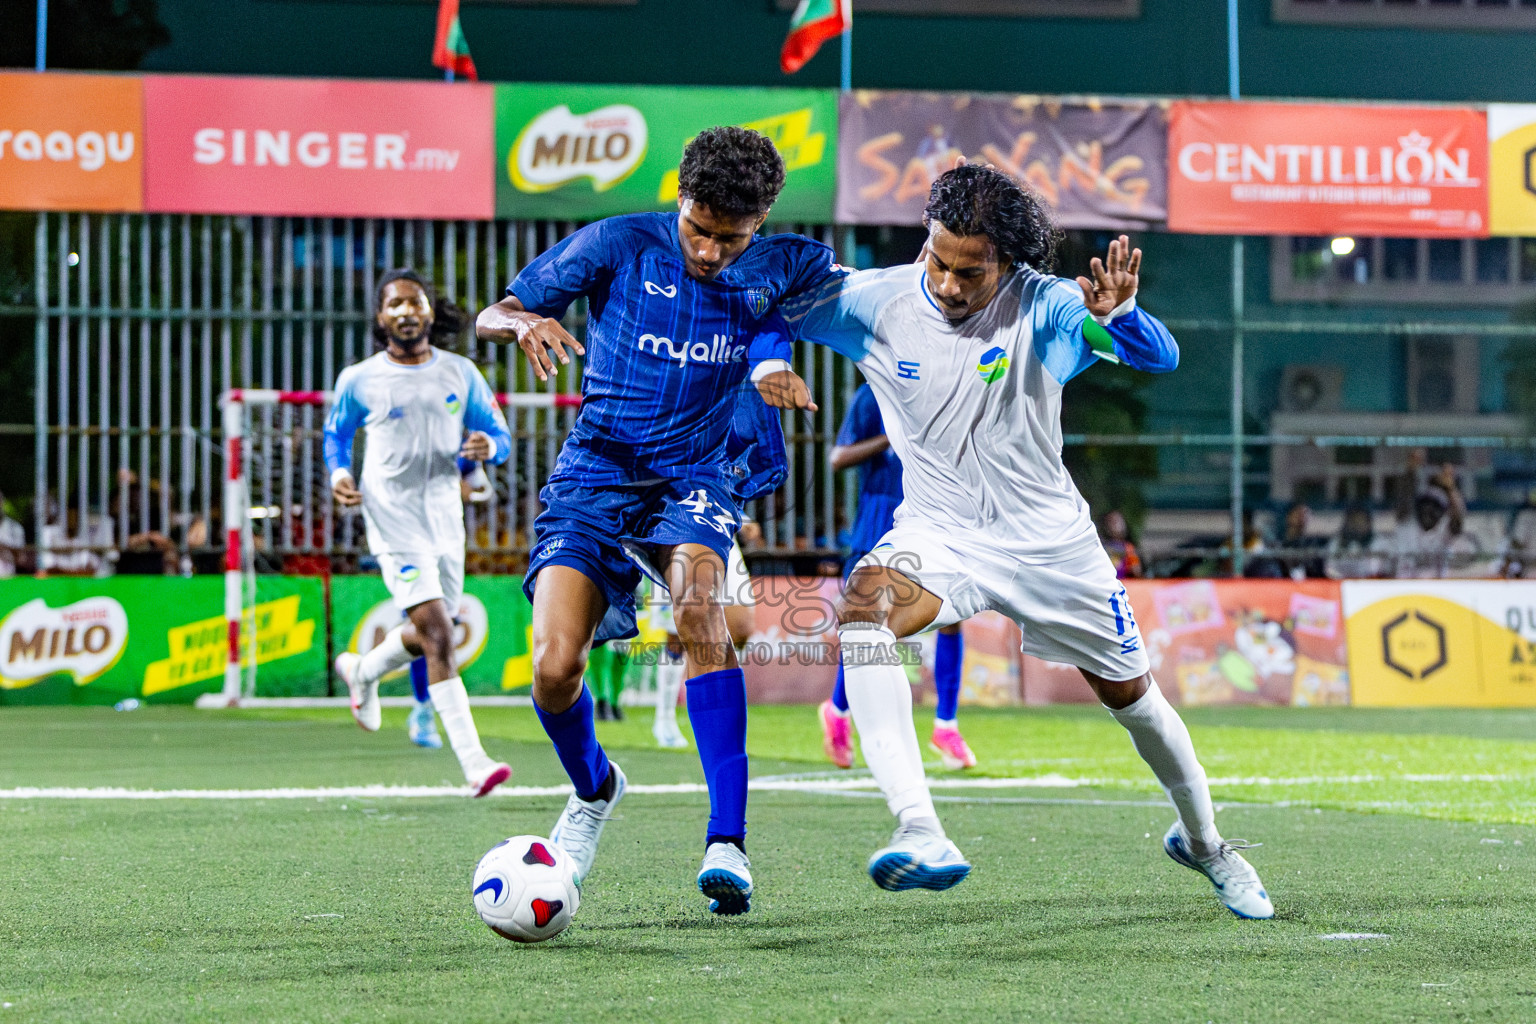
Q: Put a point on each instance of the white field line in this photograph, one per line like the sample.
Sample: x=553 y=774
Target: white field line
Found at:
x=857 y=785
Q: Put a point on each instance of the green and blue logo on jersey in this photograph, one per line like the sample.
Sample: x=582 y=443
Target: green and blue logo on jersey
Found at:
x=453 y=404
x=408 y=574
x=993 y=365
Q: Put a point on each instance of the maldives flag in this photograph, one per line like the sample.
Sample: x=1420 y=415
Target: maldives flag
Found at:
x=815 y=22
x=450 y=51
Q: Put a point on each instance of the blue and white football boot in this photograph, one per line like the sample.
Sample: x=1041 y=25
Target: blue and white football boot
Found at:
x=580 y=825
x=726 y=878
x=919 y=856
x=421 y=726
x=1237 y=884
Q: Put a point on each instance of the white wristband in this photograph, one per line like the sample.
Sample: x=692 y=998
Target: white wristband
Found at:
x=769 y=366
x=340 y=473
x=1119 y=311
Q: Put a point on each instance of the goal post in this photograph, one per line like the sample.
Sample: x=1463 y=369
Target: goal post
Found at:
x=239 y=554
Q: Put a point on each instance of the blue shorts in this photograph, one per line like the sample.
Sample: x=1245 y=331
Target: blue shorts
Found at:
x=876 y=516
x=594 y=529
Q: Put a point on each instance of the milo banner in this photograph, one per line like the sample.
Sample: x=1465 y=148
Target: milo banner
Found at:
x=1442 y=643
x=1100 y=164
x=493 y=633
x=579 y=152
x=157 y=638
x=1227 y=642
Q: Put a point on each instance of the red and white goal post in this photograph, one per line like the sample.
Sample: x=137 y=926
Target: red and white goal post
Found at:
x=239 y=560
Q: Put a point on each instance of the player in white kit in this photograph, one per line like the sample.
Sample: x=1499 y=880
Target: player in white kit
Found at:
x=421 y=409
x=967 y=352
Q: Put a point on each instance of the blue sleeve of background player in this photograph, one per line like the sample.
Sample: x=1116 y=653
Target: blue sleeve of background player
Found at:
x=481 y=413
x=341 y=423
x=1068 y=339
x=863 y=420
x=559 y=276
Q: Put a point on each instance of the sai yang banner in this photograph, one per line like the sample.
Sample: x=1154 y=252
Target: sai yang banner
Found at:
x=1100 y=164
x=581 y=152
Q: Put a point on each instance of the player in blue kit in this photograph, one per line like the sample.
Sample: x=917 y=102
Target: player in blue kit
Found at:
x=681 y=307
x=862 y=442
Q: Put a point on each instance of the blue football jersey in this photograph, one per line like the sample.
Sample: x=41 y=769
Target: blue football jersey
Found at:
x=666 y=354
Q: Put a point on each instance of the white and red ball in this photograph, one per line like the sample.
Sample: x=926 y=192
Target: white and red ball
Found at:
x=525 y=889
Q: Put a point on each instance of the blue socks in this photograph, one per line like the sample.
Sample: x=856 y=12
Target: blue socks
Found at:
x=839 y=694
x=576 y=744
x=717 y=710
x=947 y=658
x=419 y=681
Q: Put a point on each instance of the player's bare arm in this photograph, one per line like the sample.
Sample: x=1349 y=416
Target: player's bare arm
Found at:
x=344 y=490
x=508 y=323
x=846 y=456
x=477 y=446
x=1114 y=278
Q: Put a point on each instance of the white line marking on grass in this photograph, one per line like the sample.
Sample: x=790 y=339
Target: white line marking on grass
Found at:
x=1352 y=936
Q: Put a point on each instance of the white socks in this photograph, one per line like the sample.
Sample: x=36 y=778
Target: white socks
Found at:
x=1163 y=742
x=388 y=656
x=669 y=680
x=452 y=703
x=881 y=701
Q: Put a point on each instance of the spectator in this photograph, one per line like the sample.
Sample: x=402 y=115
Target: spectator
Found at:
x=13 y=543
x=73 y=549
x=1357 y=553
x=147 y=551
x=1115 y=533
x=1300 y=555
x=1429 y=540
x=1519 y=546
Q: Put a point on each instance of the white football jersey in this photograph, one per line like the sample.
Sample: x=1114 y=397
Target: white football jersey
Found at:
x=972 y=409
x=414 y=419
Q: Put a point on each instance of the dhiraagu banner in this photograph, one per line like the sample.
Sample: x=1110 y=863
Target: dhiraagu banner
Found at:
x=158 y=638
x=580 y=152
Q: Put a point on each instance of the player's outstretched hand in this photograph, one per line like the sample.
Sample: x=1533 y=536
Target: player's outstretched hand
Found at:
x=1114 y=278
x=785 y=390
x=507 y=322
x=345 y=491
x=476 y=447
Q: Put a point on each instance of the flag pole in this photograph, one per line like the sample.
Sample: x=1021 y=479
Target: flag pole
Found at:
x=42 y=35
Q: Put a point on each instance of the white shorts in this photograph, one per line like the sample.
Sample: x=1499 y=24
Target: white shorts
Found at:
x=738 y=591
x=416 y=579
x=1073 y=611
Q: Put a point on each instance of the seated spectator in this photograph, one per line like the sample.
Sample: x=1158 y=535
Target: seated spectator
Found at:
x=70 y=549
x=1519 y=547
x=1301 y=555
x=1115 y=533
x=13 y=543
x=1356 y=553
x=1430 y=542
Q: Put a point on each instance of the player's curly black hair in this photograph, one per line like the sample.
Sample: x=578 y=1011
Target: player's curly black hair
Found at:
x=973 y=200
x=448 y=320
x=734 y=171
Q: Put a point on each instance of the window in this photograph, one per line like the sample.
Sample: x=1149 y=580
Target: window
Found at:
x=1417 y=271
x=996 y=8
x=1485 y=14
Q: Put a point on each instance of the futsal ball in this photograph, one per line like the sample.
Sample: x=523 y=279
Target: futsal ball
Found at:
x=525 y=889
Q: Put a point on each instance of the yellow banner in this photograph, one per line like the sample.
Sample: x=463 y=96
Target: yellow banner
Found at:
x=1441 y=643
x=200 y=649
x=1512 y=169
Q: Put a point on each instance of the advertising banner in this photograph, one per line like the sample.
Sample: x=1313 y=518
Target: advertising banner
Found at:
x=318 y=147
x=494 y=634
x=71 y=142
x=1227 y=642
x=1442 y=643
x=1314 y=169
x=581 y=152
x=1512 y=168
x=1099 y=164
x=87 y=641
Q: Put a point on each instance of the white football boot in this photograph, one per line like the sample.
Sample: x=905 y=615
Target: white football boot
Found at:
x=919 y=856
x=365 y=696
x=1237 y=884
x=668 y=735
x=726 y=878
x=581 y=824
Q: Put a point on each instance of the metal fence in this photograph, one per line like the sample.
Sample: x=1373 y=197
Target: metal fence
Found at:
x=143 y=320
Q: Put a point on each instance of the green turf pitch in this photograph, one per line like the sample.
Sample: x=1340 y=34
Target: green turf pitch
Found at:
x=1416 y=825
